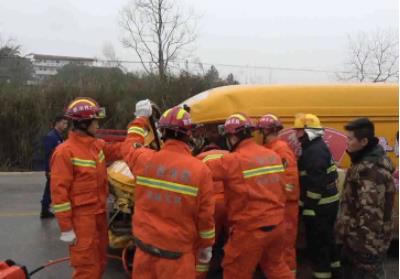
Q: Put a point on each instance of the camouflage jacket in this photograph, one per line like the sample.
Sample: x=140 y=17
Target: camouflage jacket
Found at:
x=364 y=223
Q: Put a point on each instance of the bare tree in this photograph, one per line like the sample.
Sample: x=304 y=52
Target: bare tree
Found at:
x=9 y=47
x=372 y=58
x=158 y=32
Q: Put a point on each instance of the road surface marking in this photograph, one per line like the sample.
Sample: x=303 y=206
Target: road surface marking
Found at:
x=19 y=214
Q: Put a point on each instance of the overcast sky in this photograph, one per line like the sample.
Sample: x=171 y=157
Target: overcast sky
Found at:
x=308 y=34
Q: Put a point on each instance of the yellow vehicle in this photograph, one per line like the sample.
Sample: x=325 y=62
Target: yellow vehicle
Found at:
x=335 y=105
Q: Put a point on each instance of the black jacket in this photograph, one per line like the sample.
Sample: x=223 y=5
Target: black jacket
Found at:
x=318 y=176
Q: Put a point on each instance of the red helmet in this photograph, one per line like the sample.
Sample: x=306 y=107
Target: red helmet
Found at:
x=84 y=108
x=177 y=119
x=236 y=123
x=270 y=123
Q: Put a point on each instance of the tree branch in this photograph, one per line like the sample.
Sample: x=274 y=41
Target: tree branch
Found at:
x=373 y=58
x=157 y=30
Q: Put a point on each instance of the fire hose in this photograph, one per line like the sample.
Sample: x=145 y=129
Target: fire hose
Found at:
x=10 y=269
x=61 y=260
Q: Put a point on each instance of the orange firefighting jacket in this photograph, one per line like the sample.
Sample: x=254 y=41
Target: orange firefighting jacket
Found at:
x=174 y=205
x=291 y=174
x=254 y=192
x=78 y=177
x=213 y=155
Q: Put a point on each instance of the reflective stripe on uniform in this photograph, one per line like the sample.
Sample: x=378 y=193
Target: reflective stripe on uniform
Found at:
x=308 y=212
x=323 y=201
x=83 y=163
x=136 y=130
x=330 y=199
x=167 y=186
x=289 y=187
x=312 y=195
x=322 y=275
x=62 y=207
x=101 y=156
x=263 y=170
x=212 y=157
x=207 y=234
x=202 y=267
x=335 y=264
x=331 y=169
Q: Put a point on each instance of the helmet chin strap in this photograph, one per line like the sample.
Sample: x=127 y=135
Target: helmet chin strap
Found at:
x=245 y=134
x=264 y=137
x=232 y=147
x=228 y=144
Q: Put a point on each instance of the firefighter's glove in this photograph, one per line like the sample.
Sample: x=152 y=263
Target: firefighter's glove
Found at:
x=143 y=108
x=205 y=255
x=68 y=237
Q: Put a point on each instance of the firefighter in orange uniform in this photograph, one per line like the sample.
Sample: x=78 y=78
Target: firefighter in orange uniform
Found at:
x=255 y=204
x=79 y=189
x=173 y=199
x=270 y=126
x=213 y=150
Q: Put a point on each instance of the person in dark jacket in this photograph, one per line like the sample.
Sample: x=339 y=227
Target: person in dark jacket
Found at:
x=364 y=225
x=50 y=142
x=319 y=197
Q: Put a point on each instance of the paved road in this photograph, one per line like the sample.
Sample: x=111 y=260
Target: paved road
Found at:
x=32 y=242
x=27 y=239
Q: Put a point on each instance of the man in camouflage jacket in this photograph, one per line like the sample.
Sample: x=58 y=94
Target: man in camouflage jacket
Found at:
x=364 y=224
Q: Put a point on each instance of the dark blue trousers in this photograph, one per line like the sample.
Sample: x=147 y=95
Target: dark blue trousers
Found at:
x=46 y=199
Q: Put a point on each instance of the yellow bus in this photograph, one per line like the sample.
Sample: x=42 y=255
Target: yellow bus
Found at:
x=334 y=104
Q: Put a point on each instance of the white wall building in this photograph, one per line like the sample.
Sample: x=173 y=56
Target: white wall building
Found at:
x=48 y=65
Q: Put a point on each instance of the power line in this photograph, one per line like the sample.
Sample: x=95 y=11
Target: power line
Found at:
x=272 y=68
x=240 y=66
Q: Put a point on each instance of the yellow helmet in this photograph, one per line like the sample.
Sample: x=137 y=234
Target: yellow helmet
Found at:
x=307 y=120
